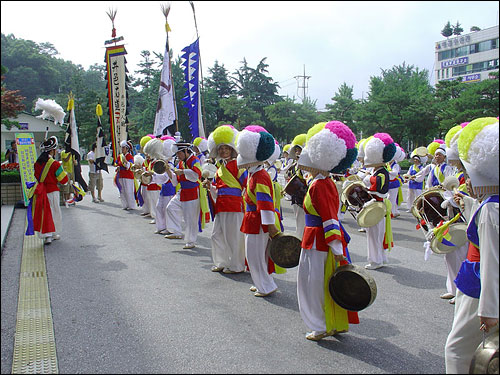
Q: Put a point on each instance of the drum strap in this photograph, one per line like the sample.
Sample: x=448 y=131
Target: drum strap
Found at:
x=441 y=232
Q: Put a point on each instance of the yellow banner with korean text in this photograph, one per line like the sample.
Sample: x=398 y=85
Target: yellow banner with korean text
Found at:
x=26 y=151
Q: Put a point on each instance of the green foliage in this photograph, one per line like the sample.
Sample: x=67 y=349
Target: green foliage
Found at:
x=400 y=101
x=475 y=28
x=457 y=29
x=344 y=107
x=10 y=176
x=447 y=30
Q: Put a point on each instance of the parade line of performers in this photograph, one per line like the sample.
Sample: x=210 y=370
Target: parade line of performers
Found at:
x=232 y=179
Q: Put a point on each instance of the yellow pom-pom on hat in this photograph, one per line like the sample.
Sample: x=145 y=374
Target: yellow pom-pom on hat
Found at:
x=298 y=142
x=286 y=148
x=222 y=135
x=144 y=140
x=478 y=148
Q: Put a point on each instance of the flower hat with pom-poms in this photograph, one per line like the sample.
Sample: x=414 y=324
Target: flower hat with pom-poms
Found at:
x=254 y=146
x=298 y=143
x=154 y=148
x=330 y=147
x=379 y=149
x=273 y=161
x=286 y=148
x=201 y=143
x=434 y=145
x=400 y=154
x=222 y=135
x=478 y=151
x=168 y=142
x=361 y=148
x=144 y=140
x=451 y=139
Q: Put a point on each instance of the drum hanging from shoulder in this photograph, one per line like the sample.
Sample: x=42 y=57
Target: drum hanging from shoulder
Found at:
x=369 y=212
x=284 y=250
x=352 y=288
x=296 y=188
x=458 y=233
x=159 y=166
x=146 y=178
x=427 y=206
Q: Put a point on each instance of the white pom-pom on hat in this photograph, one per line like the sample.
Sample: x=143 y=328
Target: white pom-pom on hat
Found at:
x=374 y=149
x=325 y=150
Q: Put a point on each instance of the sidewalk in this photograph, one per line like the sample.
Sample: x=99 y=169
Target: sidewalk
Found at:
x=7 y=213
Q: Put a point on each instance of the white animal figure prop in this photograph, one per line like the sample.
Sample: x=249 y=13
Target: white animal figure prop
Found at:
x=50 y=110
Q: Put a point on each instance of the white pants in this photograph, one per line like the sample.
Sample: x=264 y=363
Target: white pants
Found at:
x=228 y=242
x=151 y=200
x=375 y=239
x=55 y=209
x=464 y=336
x=161 y=211
x=300 y=220
x=453 y=262
x=257 y=258
x=412 y=194
x=311 y=289
x=393 y=197
x=127 y=194
x=145 y=205
x=189 y=211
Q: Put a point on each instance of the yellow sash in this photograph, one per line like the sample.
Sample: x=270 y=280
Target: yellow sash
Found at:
x=336 y=316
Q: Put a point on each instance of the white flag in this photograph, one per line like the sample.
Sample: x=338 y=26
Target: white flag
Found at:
x=165 y=109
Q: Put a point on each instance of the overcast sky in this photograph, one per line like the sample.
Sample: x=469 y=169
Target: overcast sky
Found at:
x=336 y=42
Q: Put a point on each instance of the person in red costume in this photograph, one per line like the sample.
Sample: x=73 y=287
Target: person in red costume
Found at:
x=228 y=242
x=44 y=207
x=186 y=204
x=255 y=145
x=124 y=178
x=329 y=148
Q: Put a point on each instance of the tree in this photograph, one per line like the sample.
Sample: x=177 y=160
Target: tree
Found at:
x=475 y=28
x=287 y=118
x=401 y=103
x=457 y=30
x=11 y=103
x=447 y=30
x=344 y=106
x=146 y=71
x=459 y=102
x=217 y=86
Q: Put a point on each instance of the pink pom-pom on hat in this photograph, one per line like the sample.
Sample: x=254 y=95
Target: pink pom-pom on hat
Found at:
x=342 y=131
x=384 y=137
x=464 y=124
x=255 y=128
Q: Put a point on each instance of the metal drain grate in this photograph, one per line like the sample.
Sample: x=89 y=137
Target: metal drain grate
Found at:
x=34 y=343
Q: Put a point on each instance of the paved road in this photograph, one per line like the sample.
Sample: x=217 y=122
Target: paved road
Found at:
x=125 y=300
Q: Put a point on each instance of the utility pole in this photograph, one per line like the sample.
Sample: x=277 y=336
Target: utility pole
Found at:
x=304 y=84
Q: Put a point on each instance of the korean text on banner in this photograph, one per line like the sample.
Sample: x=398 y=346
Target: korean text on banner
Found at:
x=26 y=151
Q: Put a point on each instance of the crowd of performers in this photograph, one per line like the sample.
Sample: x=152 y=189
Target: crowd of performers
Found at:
x=232 y=179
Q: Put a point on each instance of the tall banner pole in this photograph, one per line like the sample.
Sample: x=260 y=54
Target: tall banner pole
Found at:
x=202 y=102
x=116 y=76
x=166 y=109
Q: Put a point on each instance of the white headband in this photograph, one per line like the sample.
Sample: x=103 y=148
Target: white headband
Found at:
x=441 y=151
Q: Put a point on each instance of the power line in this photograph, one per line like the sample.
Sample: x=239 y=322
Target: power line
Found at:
x=304 y=84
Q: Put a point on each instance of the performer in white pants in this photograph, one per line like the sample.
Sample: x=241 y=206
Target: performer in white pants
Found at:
x=323 y=239
x=259 y=221
x=167 y=192
x=415 y=184
x=394 y=180
x=228 y=242
x=477 y=301
x=186 y=204
x=378 y=150
x=124 y=178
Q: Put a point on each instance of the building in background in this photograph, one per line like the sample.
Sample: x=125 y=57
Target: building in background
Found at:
x=30 y=124
x=471 y=57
